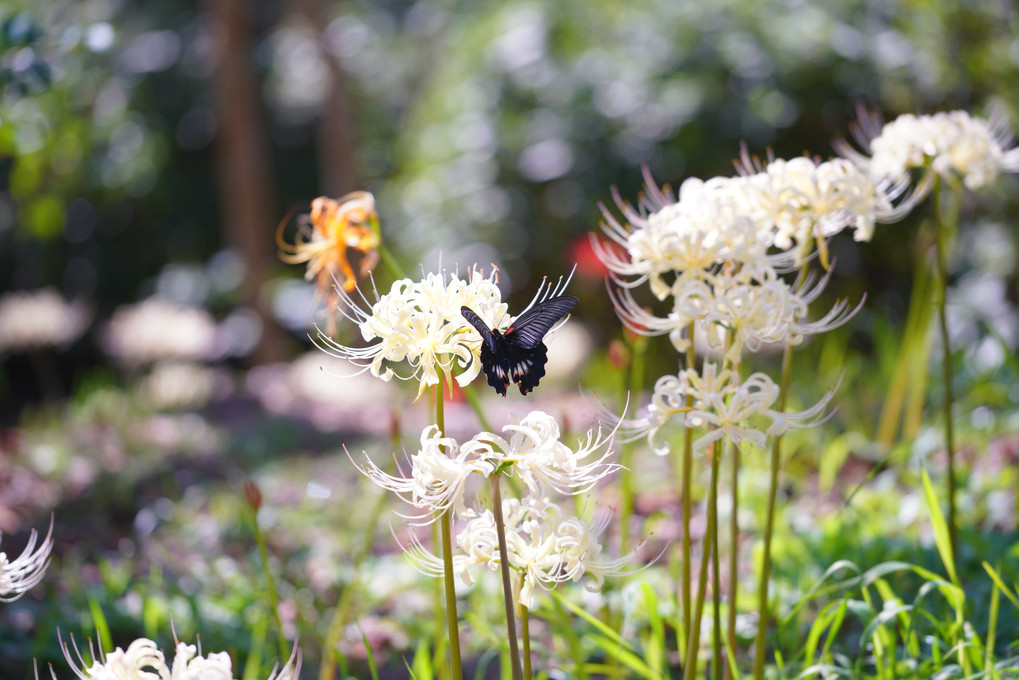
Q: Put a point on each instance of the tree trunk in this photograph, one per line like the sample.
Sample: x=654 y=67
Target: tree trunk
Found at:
x=247 y=208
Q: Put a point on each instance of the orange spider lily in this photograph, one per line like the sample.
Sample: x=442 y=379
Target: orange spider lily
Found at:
x=338 y=230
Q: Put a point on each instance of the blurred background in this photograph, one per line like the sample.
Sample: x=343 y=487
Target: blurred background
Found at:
x=149 y=150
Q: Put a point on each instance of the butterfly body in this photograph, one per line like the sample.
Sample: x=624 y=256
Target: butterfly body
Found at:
x=519 y=355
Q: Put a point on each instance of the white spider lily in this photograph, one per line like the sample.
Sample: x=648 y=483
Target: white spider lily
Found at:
x=535 y=454
x=19 y=575
x=419 y=322
x=143 y=660
x=543 y=547
x=442 y=467
x=804 y=201
x=440 y=471
x=950 y=144
x=717 y=401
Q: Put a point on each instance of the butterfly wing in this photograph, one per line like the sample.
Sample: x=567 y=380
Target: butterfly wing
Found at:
x=493 y=355
x=519 y=356
x=529 y=328
x=480 y=326
x=526 y=366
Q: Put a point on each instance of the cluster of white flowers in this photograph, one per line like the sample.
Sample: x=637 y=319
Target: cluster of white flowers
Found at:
x=442 y=467
x=720 y=254
x=24 y=572
x=717 y=400
x=950 y=144
x=143 y=660
x=420 y=322
x=738 y=310
x=782 y=205
x=544 y=548
x=41 y=318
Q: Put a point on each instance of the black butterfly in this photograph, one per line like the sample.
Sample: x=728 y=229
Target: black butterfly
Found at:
x=519 y=355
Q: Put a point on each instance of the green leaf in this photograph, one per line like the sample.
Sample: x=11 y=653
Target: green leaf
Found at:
x=939 y=526
x=100 y=623
x=1001 y=584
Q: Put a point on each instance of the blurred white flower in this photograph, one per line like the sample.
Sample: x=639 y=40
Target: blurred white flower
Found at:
x=542 y=546
x=155 y=330
x=178 y=385
x=143 y=660
x=420 y=322
x=19 y=575
x=950 y=144
x=40 y=318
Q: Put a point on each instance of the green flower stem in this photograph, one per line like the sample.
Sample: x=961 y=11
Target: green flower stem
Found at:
x=626 y=474
x=270 y=582
x=942 y=238
x=734 y=453
x=387 y=257
x=394 y=267
x=446 y=531
x=525 y=620
x=690 y=668
x=507 y=586
x=716 y=581
x=686 y=475
x=769 y=524
x=475 y=402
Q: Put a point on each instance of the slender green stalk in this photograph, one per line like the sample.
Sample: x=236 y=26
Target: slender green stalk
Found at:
x=716 y=581
x=734 y=453
x=446 y=531
x=525 y=620
x=693 y=647
x=769 y=524
x=475 y=402
x=270 y=583
x=942 y=239
x=387 y=257
x=507 y=586
x=992 y=626
x=626 y=474
x=686 y=476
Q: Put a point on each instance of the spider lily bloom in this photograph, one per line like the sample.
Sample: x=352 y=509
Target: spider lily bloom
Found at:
x=755 y=307
x=708 y=224
x=543 y=547
x=803 y=201
x=535 y=454
x=338 y=229
x=727 y=407
x=746 y=309
x=950 y=144
x=26 y=571
x=440 y=471
x=144 y=660
x=420 y=322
